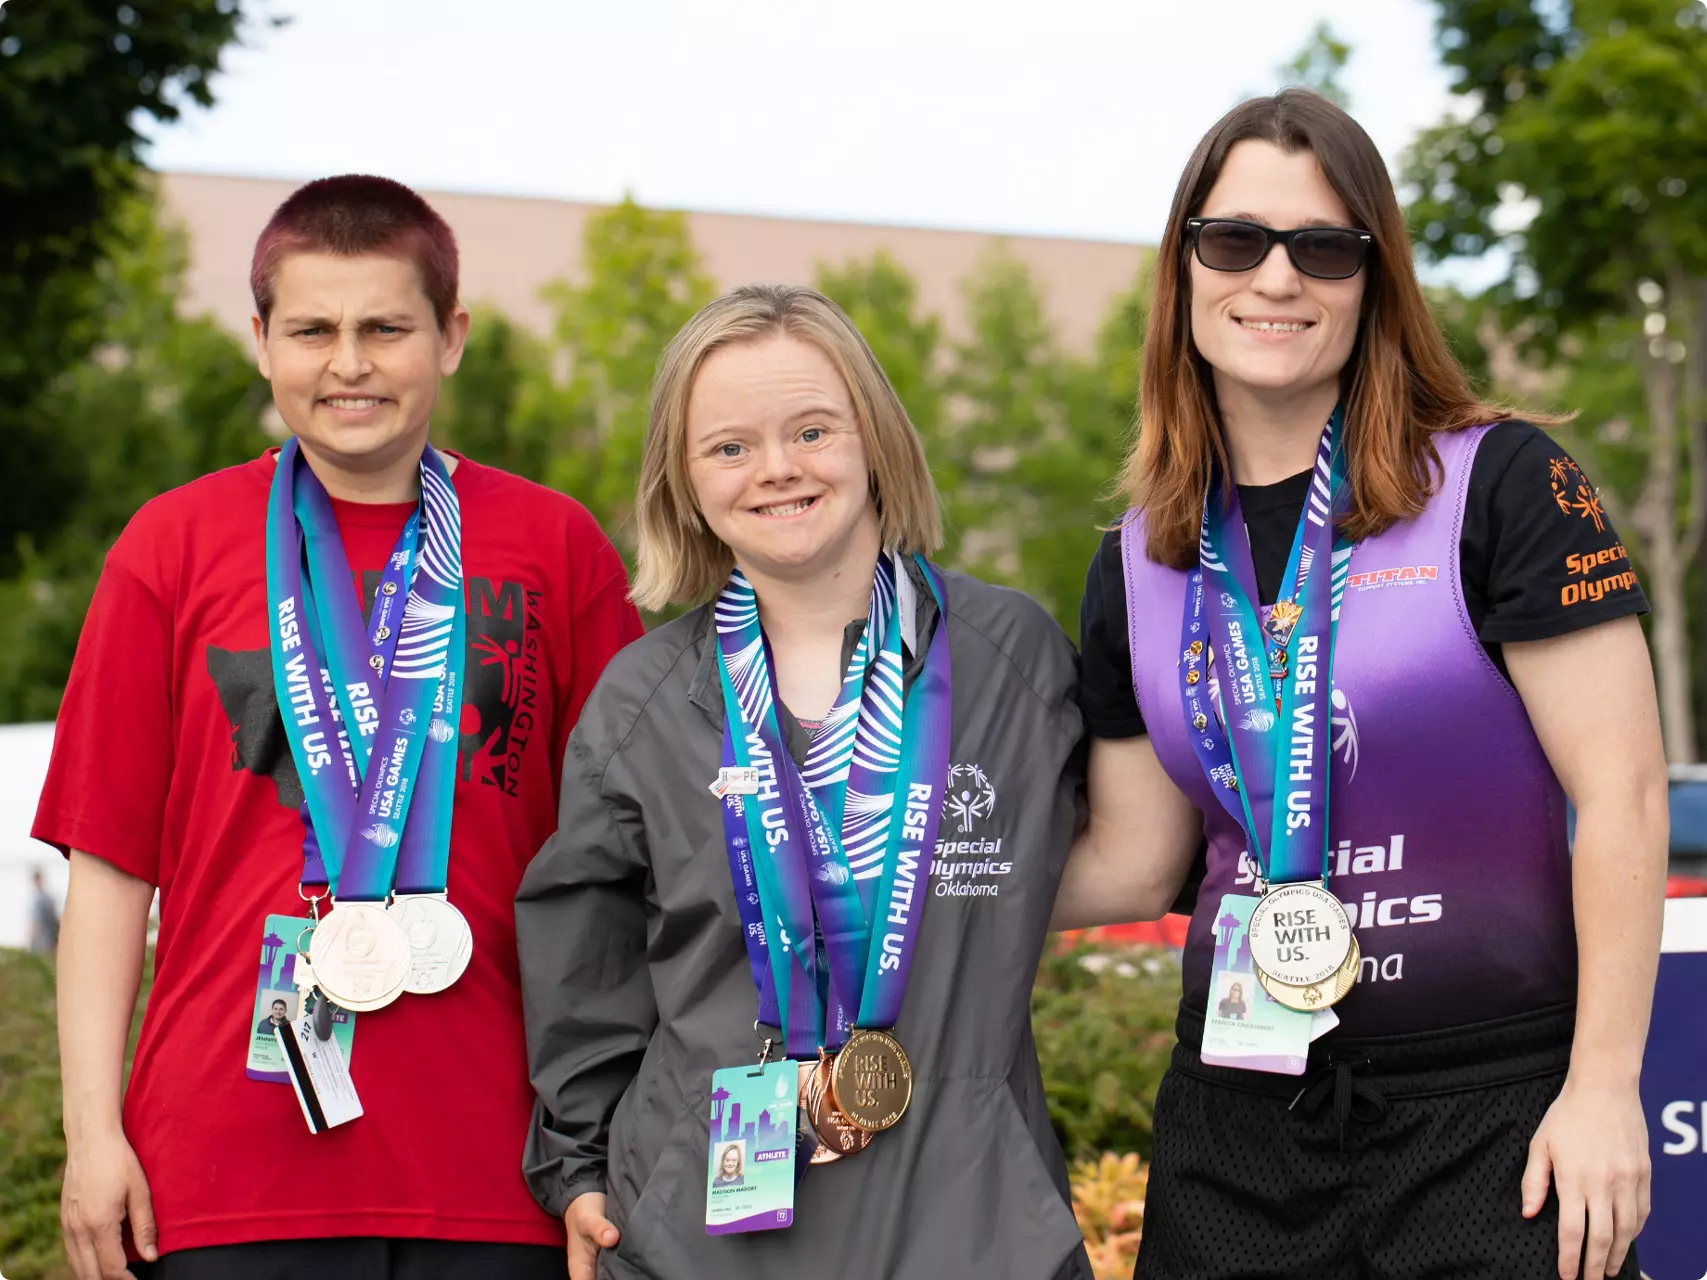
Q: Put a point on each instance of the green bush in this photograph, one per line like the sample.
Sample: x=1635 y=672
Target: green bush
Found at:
x=1104 y=1023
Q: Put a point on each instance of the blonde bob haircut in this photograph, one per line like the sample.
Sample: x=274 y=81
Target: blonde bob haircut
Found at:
x=680 y=560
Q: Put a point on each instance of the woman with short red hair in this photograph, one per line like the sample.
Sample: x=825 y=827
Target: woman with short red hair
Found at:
x=320 y=703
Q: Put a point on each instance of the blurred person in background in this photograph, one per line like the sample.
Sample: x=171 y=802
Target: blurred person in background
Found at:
x=44 y=918
x=1349 y=590
x=222 y=602
x=667 y=934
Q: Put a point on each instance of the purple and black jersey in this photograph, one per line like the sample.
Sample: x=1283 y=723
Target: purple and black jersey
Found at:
x=1447 y=823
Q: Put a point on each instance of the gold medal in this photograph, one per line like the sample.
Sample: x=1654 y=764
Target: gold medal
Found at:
x=1319 y=995
x=871 y=1080
x=1299 y=934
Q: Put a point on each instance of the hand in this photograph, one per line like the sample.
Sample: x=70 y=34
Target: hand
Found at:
x=589 y=1232
x=104 y=1184
x=1593 y=1144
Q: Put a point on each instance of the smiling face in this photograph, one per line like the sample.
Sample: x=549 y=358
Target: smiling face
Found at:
x=355 y=356
x=778 y=461
x=1273 y=331
x=731 y=1161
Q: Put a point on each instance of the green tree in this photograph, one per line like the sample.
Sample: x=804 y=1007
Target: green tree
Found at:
x=1583 y=158
x=496 y=408
x=161 y=400
x=641 y=281
x=1319 y=64
x=76 y=82
x=882 y=299
x=1036 y=436
x=1009 y=388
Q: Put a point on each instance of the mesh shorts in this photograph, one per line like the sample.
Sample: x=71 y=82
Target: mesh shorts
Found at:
x=1398 y=1159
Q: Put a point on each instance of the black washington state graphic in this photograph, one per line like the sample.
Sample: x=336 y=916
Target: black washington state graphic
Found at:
x=500 y=686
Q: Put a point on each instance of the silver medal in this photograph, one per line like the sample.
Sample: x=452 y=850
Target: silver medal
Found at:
x=360 y=956
x=440 y=942
x=1299 y=933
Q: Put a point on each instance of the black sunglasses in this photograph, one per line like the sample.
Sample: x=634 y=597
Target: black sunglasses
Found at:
x=1326 y=253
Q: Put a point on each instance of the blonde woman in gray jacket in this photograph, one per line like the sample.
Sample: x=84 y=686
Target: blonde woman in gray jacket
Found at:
x=810 y=835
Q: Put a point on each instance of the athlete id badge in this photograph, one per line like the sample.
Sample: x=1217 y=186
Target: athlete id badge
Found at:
x=749 y=1179
x=279 y=1000
x=1243 y=1025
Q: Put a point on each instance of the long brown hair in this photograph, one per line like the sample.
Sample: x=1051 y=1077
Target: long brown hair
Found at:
x=1399 y=387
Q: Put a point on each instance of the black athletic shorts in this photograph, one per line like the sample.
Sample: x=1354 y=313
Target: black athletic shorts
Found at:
x=1399 y=1158
x=359 y=1258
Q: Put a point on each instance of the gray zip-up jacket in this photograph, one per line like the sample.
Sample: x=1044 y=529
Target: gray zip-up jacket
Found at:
x=636 y=985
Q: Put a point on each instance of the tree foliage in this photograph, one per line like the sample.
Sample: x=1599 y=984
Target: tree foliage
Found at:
x=75 y=82
x=641 y=282
x=161 y=400
x=1581 y=155
x=1319 y=64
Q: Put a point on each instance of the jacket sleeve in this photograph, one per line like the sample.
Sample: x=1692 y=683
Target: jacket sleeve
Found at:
x=586 y=989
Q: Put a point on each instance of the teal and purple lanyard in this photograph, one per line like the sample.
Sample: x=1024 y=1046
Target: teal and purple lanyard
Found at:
x=370 y=709
x=1274 y=673
x=831 y=861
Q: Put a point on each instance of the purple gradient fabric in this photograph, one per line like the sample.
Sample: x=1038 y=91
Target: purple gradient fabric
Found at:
x=1446 y=822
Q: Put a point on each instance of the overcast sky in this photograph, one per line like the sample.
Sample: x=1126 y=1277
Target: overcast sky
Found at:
x=1053 y=117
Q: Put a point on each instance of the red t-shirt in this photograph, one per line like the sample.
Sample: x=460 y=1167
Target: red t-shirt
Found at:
x=170 y=762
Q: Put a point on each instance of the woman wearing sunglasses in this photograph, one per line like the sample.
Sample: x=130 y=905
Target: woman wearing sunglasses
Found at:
x=1357 y=641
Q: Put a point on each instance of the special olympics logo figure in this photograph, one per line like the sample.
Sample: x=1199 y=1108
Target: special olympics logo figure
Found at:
x=970 y=795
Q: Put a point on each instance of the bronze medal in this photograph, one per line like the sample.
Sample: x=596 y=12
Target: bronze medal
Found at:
x=871 y=1080
x=837 y=1135
x=1317 y=995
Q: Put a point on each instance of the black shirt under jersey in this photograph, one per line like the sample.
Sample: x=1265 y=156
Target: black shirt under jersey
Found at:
x=1533 y=530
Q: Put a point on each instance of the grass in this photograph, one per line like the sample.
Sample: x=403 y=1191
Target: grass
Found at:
x=32 y=1143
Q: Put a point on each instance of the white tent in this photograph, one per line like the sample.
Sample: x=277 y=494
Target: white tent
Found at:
x=24 y=750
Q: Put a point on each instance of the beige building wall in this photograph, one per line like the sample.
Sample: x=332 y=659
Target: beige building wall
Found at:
x=512 y=246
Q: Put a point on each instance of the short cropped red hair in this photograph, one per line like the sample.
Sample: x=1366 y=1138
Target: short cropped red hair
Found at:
x=356 y=214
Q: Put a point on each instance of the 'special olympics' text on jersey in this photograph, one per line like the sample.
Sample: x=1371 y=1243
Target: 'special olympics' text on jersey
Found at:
x=1447 y=824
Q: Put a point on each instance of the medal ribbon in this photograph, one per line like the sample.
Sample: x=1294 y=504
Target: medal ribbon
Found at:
x=1275 y=681
x=415 y=633
x=826 y=828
